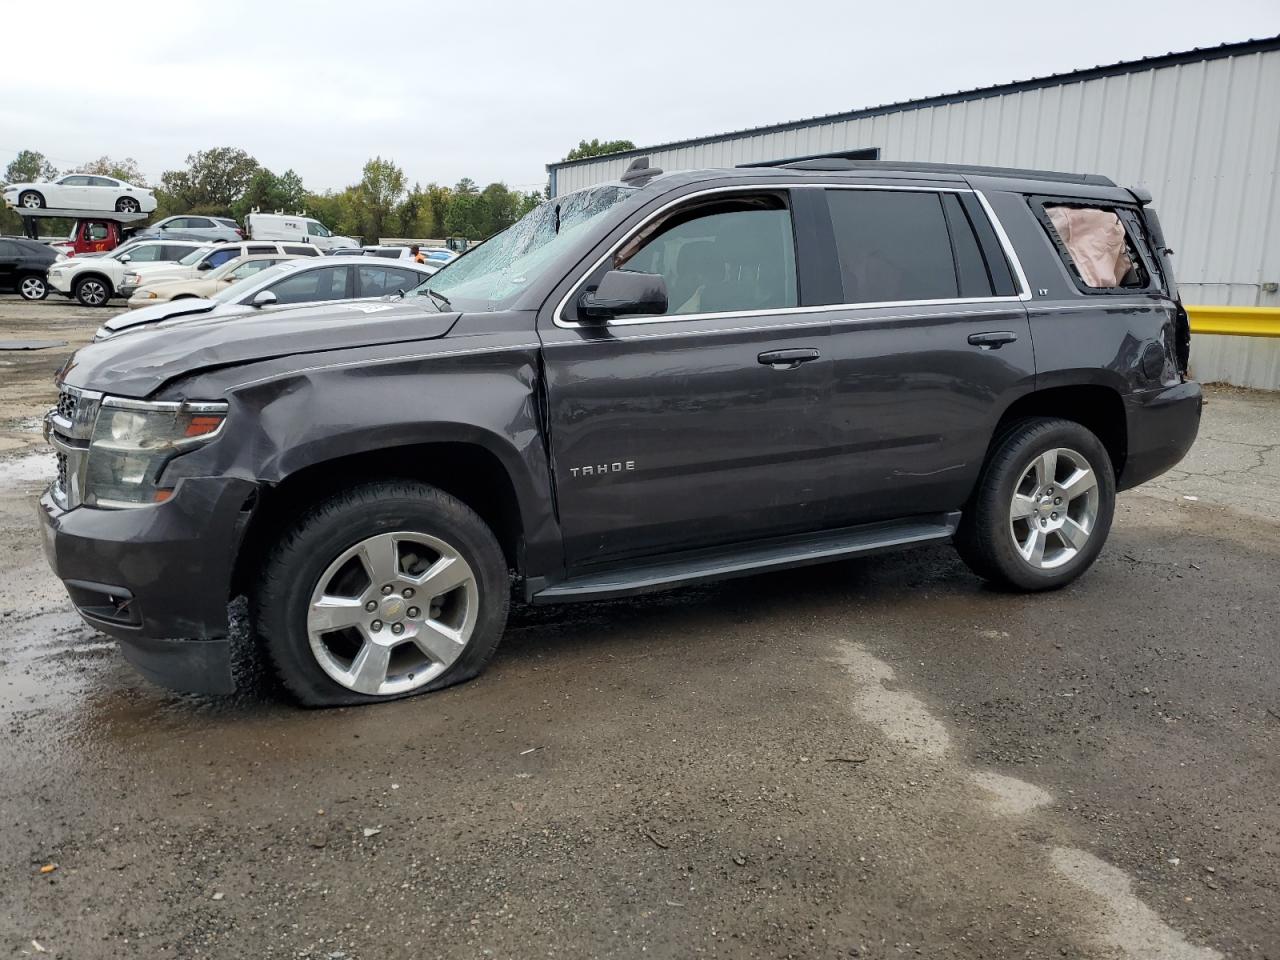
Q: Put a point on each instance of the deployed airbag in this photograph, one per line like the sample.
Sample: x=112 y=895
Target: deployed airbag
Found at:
x=1095 y=239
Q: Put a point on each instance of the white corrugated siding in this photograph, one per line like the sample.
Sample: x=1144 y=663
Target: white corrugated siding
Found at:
x=1203 y=137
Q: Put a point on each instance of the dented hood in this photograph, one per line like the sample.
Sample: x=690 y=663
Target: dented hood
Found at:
x=139 y=362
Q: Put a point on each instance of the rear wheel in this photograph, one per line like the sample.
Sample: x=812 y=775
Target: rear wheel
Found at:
x=127 y=205
x=1043 y=507
x=92 y=292
x=33 y=288
x=383 y=591
x=31 y=200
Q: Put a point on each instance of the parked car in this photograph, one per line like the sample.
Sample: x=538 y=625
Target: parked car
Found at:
x=655 y=382
x=297 y=228
x=299 y=280
x=190 y=227
x=208 y=257
x=24 y=265
x=207 y=284
x=95 y=280
x=81 y=191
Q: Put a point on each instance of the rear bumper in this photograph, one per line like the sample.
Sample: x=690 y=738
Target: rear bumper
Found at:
x=158 y=578
x=1162 y=426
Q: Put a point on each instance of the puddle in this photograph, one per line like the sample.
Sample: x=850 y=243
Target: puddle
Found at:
x=35 y=467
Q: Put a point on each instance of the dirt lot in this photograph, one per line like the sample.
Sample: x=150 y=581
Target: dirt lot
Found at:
x=878 y=758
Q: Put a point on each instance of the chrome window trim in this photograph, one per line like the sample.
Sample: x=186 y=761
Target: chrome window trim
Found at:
x=1020 y=279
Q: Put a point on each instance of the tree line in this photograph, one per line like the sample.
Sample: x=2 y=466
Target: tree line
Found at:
x=228 y=181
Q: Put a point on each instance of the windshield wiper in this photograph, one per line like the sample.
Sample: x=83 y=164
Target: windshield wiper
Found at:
x=438 y=297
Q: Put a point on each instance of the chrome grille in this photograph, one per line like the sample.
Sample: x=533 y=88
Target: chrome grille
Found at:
x=69 y=428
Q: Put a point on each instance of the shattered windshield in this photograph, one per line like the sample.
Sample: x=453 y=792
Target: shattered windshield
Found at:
x=493 y=274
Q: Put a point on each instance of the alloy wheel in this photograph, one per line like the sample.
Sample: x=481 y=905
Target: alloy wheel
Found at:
x=392 y=613
x=93 y=293
x=127 y=205
x=32 y=201
x=32 y=288
x=1054 y=508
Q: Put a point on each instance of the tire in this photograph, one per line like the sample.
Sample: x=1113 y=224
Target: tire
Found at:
x=1065 y=487
x=32 y=287
x=335 y=662
x=128 y=205
x=92 y=291
x=31 y=200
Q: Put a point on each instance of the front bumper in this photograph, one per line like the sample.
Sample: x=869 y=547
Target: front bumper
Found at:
x=157 y=578
x=60 y=282
x=1162 y=426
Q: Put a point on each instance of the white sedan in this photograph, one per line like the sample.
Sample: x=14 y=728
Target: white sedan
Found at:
x=81 y=191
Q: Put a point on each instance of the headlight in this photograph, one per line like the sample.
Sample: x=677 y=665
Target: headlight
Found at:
x=132 y=442
x=132 y=279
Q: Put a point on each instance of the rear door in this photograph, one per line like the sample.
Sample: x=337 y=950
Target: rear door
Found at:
x=9 y=256
x=703 y=426
x=929 y=345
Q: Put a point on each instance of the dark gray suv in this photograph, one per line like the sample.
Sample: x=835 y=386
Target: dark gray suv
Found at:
x=669 y=379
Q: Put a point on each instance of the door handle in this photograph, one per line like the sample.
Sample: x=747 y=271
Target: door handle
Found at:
x=787 y=359
x=993 y=340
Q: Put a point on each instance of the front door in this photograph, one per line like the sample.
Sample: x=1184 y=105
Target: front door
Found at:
x=695 y=428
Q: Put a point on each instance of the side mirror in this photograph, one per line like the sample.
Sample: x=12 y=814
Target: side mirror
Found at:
x=264 y=298
x=125 y=258
x=624 y=292
x=205 y=265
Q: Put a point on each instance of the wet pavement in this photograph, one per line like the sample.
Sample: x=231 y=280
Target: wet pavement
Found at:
x=879 y=758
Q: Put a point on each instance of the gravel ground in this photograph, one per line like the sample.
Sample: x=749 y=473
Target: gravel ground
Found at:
x=879 y=758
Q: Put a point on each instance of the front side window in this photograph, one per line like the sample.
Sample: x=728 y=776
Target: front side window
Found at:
x=730 y=255
x=97 y=231
x=218 y=257
x=307 y=286
x=248 y=269
x=74 y=181
x=893 y=246
x=317 y=229
x=1095 y=246
x=146 y=254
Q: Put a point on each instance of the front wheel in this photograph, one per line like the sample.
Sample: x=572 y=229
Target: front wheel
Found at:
x=92 y=292
x=1043 y=507
x=33 y=288
x=31 y=200
x=384 y=591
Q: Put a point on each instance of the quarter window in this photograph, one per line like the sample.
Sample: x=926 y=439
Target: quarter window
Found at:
x=893 y=246
x=1095 y=246
x=723 y=256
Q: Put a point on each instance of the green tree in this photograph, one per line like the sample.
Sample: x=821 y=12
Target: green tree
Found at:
x=126 y=169
x=381 y=187
x=29 y=166
x=596 y=148
x=268 y=192
x=214 y=178
x=465 y=185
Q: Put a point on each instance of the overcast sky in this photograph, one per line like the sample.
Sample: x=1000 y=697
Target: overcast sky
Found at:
x=494 y=91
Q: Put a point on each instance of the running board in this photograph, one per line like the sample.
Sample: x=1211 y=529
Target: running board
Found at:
x=743 y=561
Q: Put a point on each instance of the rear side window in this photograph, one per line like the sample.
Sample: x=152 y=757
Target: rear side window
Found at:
x=301 y=250
x=1095 y=246
x=727 y=256
x=894 y=245
x=379 y=281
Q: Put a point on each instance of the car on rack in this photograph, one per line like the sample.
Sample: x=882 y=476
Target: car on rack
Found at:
x=208 y=257
x=93 y=281
x=81 y=191
x=290 y=282
x=207 y=284
x=24 y=266
x=661 y=381
x=192 y=227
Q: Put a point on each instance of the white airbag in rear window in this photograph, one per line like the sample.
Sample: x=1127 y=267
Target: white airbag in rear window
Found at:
x=1095 y=239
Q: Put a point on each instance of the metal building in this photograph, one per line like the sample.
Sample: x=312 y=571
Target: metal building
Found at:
x=1200 y=129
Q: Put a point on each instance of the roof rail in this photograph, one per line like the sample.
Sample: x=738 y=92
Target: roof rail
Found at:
x=840 y=163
